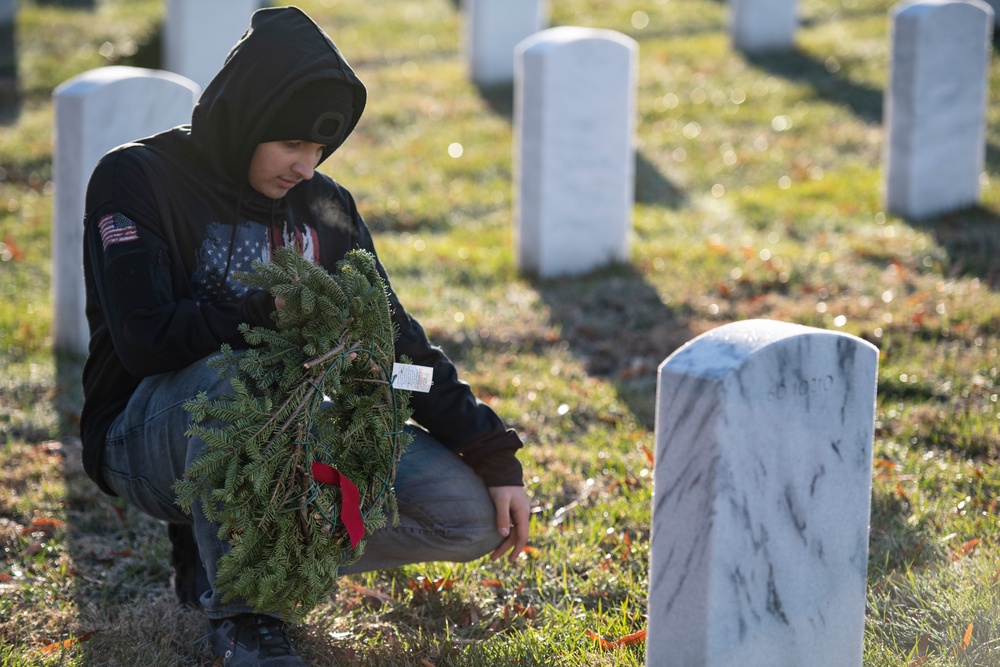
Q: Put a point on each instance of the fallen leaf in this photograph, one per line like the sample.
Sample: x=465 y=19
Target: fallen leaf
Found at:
x=627 y=640
x=43 y=524
x=634 y=638
x=123 y=553
x=428 y=585
x=923 y=645
x=716 y=246
x=649 y=455
x=627 y=547
x=964 y=550
x=372 y=593
x=122 y=515
x=528 y=612
x=15 y=251
x=495 y=583
x=602 y=642
x=67 y=643
x=427 y=663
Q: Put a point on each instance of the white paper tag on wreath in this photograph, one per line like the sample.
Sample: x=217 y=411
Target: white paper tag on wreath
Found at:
x=412 y=378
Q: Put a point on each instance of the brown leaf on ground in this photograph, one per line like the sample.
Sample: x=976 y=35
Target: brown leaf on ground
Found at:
x=42 y=524
x=966 y=640
x=372 y=593
x=626 y=640
x=66 y=644
x=16 y=253
x=965 y=550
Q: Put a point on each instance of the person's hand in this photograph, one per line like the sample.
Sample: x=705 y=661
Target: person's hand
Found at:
x=513 y=517
x=279 y=303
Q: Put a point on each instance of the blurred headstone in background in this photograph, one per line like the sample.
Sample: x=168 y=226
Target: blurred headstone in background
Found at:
x=935 y=105
x=492 y=28
x=198 y=35
x=995 y=5
x=763 y=25
x=95 y=112
x=574 y=160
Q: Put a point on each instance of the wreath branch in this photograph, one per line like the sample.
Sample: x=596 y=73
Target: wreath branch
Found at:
x=288 y=533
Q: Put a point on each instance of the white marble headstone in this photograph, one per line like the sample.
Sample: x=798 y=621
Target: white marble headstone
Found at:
x=995 y=4
x=574 y=151
x=763 y=25
x=198 y=35
x=492 y=28
x=935 y=105
x=759 y=545
x=96 y=111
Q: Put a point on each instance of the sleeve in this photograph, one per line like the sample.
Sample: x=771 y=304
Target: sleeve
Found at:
x=450 y=411
x=153 y=323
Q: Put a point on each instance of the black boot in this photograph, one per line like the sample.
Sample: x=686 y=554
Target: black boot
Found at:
x=189 y=579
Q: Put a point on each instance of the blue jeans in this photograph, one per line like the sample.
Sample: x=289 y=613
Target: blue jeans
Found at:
x=445 y=511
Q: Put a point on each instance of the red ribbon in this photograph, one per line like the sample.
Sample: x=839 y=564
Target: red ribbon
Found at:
x=350 y=505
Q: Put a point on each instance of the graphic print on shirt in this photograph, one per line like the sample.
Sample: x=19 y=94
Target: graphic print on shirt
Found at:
x=212 y=280
x=305 y=240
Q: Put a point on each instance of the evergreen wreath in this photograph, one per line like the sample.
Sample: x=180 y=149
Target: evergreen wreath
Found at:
x=290 y=477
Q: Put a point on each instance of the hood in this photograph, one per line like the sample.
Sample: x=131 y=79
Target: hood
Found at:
x=282 y=51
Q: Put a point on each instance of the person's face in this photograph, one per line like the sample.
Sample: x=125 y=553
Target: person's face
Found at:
x=278 y=166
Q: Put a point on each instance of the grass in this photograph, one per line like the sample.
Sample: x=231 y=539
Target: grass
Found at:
x=758 y=195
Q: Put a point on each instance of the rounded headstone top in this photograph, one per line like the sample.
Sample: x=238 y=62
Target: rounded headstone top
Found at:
x=553 y=38
x=85 y=82
x=716 y=353
x=920 y=7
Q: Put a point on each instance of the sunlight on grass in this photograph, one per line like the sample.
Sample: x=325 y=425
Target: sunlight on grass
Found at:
x=759 y=195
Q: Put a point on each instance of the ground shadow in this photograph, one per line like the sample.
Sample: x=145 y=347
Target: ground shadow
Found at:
x=612 y=320
x=653 y=188
x=10 y=109
x=894 y=542
x=77 y=4
x=971 y=239
x=795 y=65
x=616 y=323
x=499 y=98
x=118 y=555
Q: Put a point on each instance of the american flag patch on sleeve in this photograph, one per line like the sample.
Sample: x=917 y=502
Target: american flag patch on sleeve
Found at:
x=116 y=228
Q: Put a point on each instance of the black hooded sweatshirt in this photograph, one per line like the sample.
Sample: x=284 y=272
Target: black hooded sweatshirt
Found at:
x=169 y=219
